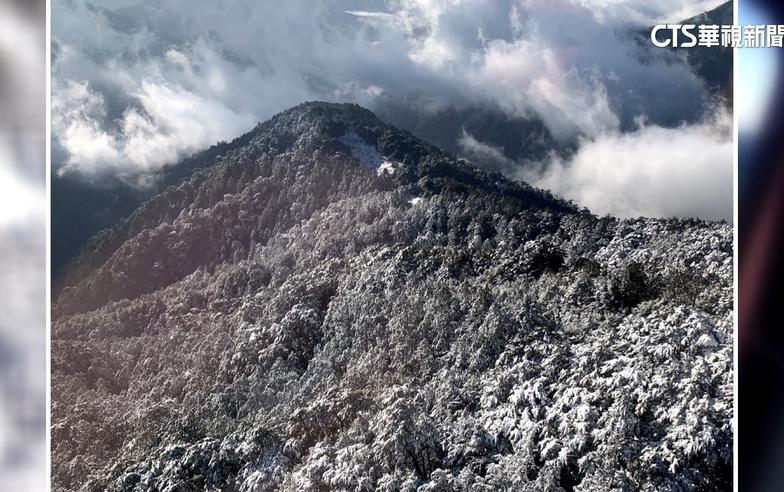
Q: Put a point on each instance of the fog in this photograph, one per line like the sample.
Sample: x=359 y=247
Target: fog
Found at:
x=138 y=87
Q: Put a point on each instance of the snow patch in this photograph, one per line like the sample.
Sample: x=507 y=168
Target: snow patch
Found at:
x=387 y=167
x=367 y=155
x=708 y=341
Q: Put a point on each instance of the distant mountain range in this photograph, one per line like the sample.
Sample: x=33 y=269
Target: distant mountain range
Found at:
x=330 y=303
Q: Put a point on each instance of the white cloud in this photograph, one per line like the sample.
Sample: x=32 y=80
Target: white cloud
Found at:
x=132 y=95
x=488 y=156
x=564 y=61
x=653 y=172
x=168 y=123
x=77 y=119
x=526 y=76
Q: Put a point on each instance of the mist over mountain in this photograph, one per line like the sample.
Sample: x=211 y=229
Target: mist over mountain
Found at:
x=413 y=298
x=330 y=303
x=713 y=65
x=543 y=92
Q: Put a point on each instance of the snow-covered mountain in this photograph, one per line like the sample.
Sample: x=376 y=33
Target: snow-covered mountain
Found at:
x=86 y=201
x=333 y=304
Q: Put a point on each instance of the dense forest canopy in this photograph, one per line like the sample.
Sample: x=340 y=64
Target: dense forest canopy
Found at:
x=336 y=305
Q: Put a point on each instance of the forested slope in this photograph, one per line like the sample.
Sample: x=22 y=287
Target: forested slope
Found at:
x=336 y=305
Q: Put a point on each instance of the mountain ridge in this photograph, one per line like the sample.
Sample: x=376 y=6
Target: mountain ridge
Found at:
x=311 y=127
x=337 y=305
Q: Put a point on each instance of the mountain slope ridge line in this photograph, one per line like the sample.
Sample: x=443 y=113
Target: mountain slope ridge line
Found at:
x=288 y=319
x=319 y=125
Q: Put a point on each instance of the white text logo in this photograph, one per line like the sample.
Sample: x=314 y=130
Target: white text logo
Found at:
x=712 y=36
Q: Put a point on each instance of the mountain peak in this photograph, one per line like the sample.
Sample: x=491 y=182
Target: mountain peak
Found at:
x=320 y=111
x=329 y=119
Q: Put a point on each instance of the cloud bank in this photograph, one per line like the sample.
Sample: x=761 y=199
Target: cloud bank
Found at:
x=653 y=171
x=139 y=87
